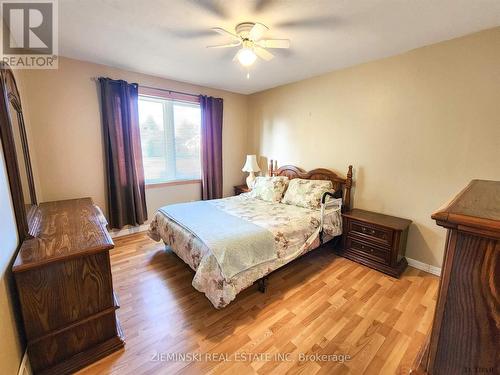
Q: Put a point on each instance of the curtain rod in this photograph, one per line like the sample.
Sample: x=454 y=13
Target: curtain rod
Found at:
x=170 y=91
x=96 y=79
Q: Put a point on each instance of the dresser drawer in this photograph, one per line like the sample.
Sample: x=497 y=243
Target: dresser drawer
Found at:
x=371 y=233
x=368 y=250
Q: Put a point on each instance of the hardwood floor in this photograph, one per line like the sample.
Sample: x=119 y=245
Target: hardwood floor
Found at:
x=320 y=304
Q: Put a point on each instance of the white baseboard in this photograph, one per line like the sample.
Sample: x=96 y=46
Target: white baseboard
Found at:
x=25 y=368
x=130 y=230
x=424 y=266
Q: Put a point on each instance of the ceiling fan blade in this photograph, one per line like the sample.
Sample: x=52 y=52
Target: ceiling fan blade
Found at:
x=263 y=54
x=274 y=43
x=257 y=31
x=224 y=32
x=227 y=45
x=235 y=58
x=315 y=22
x=188 y=34
x=260 y=5
x=211 y=6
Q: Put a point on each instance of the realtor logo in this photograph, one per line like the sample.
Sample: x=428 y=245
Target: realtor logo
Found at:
x=29 y=34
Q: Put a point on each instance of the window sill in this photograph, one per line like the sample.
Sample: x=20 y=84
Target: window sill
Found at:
x=171 y=183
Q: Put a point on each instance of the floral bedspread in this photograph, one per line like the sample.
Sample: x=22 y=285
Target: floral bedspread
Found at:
x=295 y=230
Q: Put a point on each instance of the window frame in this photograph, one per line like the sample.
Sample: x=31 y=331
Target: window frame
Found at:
x=176 y=97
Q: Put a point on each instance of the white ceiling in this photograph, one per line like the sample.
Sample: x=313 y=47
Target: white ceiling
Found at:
x=167 y=38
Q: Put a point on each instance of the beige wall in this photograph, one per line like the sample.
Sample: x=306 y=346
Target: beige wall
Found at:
x=416 y=127
x=65 y=128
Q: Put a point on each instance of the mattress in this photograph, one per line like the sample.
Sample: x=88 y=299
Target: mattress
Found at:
x=295 y=231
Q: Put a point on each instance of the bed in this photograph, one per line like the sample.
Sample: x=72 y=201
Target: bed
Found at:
x=233 y=242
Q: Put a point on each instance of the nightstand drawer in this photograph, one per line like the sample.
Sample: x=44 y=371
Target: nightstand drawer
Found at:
x=368 y=250
x=371 y=233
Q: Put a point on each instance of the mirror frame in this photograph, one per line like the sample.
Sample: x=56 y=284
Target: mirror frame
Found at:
x=25 y=217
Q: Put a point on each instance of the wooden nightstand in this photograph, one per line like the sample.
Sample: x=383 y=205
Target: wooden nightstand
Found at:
x=239 y=189
x=375 y=240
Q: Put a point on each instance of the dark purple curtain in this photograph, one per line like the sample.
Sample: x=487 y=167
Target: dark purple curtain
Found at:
x=122 y=144
x=211 y=147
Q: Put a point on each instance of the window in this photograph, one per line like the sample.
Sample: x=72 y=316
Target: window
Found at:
x=170 y=139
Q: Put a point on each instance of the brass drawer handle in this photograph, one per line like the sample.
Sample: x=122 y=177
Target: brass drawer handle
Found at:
x=366 y=230
x=363 y=247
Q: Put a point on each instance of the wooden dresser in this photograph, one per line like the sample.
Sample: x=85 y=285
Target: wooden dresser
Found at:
x=375 y=240
x=465 y=337
x=63 y=276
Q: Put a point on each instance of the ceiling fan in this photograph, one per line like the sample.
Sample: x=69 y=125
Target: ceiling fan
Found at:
x=248 y=35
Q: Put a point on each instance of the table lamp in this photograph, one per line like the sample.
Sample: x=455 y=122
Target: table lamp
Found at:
x=251 y=166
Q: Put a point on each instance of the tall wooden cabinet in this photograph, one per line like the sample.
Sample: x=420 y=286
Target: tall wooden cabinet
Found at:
x=465 y=337
x=63 y=276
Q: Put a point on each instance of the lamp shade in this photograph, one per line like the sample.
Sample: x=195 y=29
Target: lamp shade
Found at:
x=251 y=164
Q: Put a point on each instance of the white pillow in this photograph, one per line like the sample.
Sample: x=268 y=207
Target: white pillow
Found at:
x=306 y=193
x=269 y=189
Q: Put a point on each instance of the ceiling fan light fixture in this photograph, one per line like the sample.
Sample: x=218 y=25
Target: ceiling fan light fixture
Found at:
x=249 y=35
x=247 y=56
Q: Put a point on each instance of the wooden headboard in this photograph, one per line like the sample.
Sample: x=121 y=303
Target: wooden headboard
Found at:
x=339 y=183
